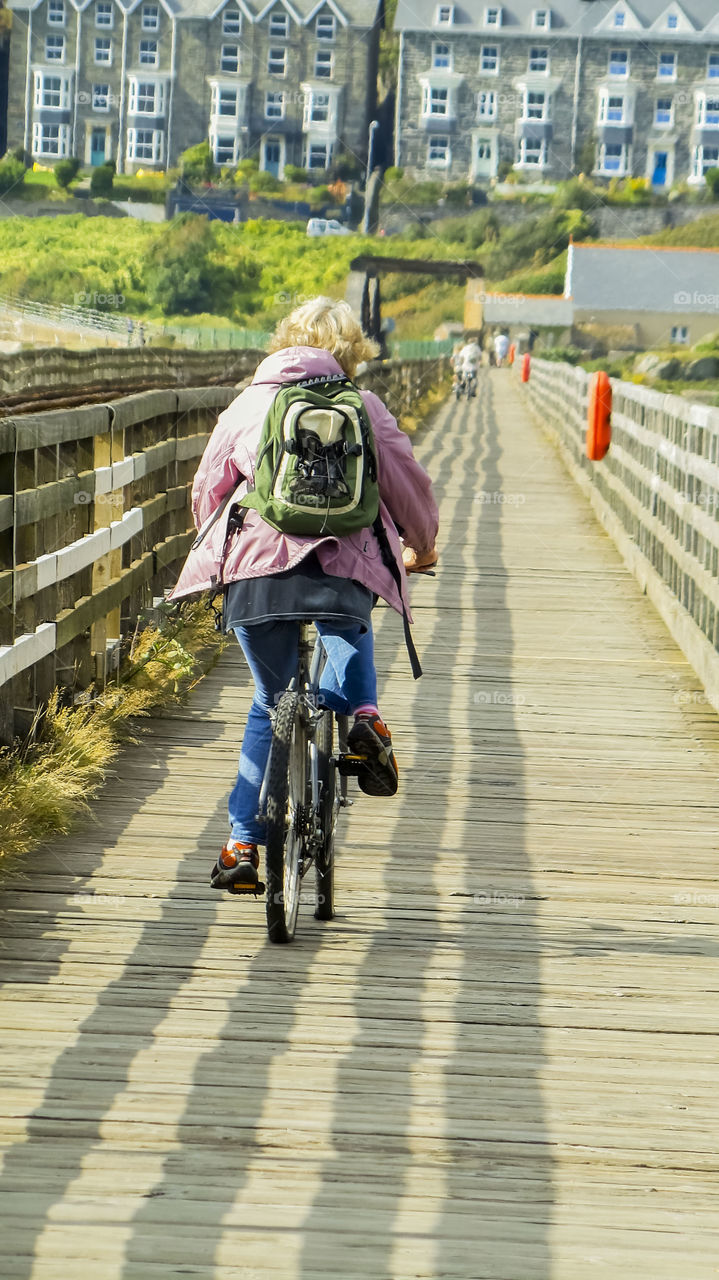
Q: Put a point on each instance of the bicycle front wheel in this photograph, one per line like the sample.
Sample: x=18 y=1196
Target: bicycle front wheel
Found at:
x=287 y=787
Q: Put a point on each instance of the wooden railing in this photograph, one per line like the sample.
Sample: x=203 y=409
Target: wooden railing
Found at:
x=95 y=521
x=656 y=493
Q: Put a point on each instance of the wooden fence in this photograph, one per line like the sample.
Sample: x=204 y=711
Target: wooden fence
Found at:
x=57 y=370
x=657 y=494
x=95 y=521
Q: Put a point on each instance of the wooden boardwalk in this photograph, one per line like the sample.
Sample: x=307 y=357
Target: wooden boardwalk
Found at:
x=500 y=1061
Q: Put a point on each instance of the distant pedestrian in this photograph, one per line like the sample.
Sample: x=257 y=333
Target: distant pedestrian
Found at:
x=140 y=334
x=501 y=348
x=130 y=330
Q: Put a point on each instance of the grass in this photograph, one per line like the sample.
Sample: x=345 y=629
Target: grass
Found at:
x=47 y=782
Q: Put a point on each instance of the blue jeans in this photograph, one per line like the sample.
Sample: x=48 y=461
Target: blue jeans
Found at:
x=349 y=680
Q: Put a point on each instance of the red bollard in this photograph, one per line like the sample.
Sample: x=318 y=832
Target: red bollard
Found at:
x=512 y=353
x=599 y=417
x=526 y=366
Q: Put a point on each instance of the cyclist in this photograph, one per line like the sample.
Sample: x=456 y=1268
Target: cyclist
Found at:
x=274 y=580
x=501 y=348
x=467 y=364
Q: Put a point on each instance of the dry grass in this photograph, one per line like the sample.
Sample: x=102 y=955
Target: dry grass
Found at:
x=46 y=784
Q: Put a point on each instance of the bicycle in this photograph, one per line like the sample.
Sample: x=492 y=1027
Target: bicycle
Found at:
x=304 y=787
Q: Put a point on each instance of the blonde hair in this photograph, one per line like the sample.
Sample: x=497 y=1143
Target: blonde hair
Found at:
x=329 y=325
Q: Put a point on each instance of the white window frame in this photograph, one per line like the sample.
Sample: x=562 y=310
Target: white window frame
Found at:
x=606 y=96
x=327 y=67
x=437 y=160
x=231 y=22
x=444 y=15
x=96 y=96
x=56 y=13
x=316 y=106
x=703 y=112
x=493 y=16
x=619 y=75
x=487 y=102
x=157 y=144
x=63 y=92
x=528 y=106
x=39 y=133
x=215 y=148
x=55 y=52
x=280 y=102
x=325 y=26
x=317 y=144
x=149 y=56
x=624 y=166
x=105 y=9
x=272 y=56
x=230 y=53
x=284 y=18
x=487 y=57
x=713 y=65
x=442 y=61
x=150 y=17
x=672 y=22
x=102 y=62
x=430 y=101
x=539 y=60
x=542 y=19
x=665 y=78
x=663 y=124
x=222 y=92
x=680 y=335
x=700 y=164
x=158 y=97
x=620 y=19
x=523 y=161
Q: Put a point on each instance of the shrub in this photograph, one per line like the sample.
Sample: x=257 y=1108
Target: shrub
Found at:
x=318 y=196
x=712 y=177
x=101 y=181
x=263 y=181
x=12 y=174
x=536 y=242
x=247 y=166
x=197 y=164
x=458 y=196
x=587 y=158
x=294 y=173
x=575 y=194
x=393 y=174
x=504 y=169
x=346 y=168
x=178 y=270
x=66 y=171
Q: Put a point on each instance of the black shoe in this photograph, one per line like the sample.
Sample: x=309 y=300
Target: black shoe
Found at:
x=370 y=738
x=236 y=868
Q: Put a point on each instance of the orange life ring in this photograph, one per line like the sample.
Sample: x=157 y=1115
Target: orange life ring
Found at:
x=526 y=366
x=599 y=417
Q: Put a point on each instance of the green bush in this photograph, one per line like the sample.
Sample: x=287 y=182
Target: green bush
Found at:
x=712 y=180
x=318 y=196
x=294 y=173
x=197 y=164
x=66 y=171
x=393 y=174
x=12 y=174
x=458 y=196
x=101 y=181
x=345 y=168
x=575 y=194
x=178 y=269
x=535 y=242
x=263 y=181
x=246 y=167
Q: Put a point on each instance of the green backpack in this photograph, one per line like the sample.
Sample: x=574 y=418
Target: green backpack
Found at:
x=316 y=469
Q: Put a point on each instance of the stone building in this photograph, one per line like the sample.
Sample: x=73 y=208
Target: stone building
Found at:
x=602 y=86
x=285 y=81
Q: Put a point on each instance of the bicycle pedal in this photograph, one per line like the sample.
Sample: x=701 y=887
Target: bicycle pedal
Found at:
x=351 y=766
x=247 y=890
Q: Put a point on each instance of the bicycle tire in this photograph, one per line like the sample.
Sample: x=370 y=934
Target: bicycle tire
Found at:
x=325 y=857
x=286 y=800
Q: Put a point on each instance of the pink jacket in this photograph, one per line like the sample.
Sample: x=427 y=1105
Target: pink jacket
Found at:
x=406 y=497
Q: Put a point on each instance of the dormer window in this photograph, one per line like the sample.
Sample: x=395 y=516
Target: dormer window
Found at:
x=493 y=17
x=542 y=19
x=231 y=22
x=325 y=26
x=445 y=15
x=672 y=22
x=620 y=18
x=103 y=13
x=56 y=13
x=150 y=17
x=279 y=25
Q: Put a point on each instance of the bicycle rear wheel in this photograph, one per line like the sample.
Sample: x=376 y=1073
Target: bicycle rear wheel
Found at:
x=287 y=787
x=329 y=806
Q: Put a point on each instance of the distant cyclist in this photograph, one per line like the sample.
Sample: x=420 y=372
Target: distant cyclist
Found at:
x=466 y=365
x=501 y=348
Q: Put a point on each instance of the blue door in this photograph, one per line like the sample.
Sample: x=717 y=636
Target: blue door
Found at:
x=272 y=158
x=659 y=177
x=97 y=146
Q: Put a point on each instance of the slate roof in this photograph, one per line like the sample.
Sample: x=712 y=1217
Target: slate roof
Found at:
x=569 y=18
x=616 y=278
x=357 y=13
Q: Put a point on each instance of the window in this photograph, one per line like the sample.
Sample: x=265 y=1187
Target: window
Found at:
x=56 y=13
x=224 y=148
x=612 y=109
x=224 y=102
x=619 y=63
x=279 y=25
x=150 y=17
x=145 y=144
x=680 y=335
x=705 y=158
x=52 y=92
x=146 y=98
x=620 y=18
x=319 y=155
x=101 y=97
x=441 y=57
x=489 y=59
x=541 y=19
x=317 y=109
x=535 y=105
x=231 y=22
x=445 y=15
x=664 y=112
x=438 y=152
x=435 y=102
x=104 y=14
x=54 y=48
x=51 y=140
x=325 y=27
x=708 y=111
x=493 y=17
x=613 y=158
x=713 y=66
x=277 y=62
x=274 y=106
x=230 y=57
x=323 y=64
x=532 y=152
x=148 y=53
x=103 y=50
x=667 y=66
x=672 y=21
x=539 y=60
x=487 y=105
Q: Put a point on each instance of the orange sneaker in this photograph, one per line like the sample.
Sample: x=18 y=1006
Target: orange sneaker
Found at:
x=236 y=868
x=370 y=738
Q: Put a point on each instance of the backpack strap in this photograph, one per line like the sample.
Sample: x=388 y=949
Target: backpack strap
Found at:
x=388 y=557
